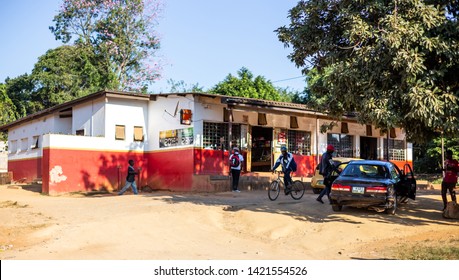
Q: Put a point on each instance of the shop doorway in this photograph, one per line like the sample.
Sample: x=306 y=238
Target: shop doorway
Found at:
x=262 y=138
x=368 y=148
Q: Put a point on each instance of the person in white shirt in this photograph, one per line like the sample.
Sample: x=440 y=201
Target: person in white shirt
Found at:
x=236 y=160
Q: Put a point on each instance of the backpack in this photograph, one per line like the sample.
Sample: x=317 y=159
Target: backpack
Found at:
x=293 y=165
x=234 y=161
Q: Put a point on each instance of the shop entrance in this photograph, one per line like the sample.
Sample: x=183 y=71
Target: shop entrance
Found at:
x=368 y=148
x=262 y=138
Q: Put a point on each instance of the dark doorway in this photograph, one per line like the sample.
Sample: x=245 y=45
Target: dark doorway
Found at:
x=262 y=138
x=368 y=148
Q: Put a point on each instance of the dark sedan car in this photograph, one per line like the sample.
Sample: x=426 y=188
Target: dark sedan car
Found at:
x=373 y=184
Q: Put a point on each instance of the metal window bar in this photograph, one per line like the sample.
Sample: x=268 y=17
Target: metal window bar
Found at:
x=299 y=142
x=396 y=150
x=214 y=133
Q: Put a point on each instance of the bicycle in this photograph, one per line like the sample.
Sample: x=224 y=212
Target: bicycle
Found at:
x=297 y=188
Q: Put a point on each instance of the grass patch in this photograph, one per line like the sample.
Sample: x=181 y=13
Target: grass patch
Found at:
x=12 y=204
x=446 y=250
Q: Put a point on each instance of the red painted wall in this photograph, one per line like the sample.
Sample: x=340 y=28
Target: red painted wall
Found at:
x=306 y=165
x=26 y=169
x=88 y=170
x=401 y=164
x=214 y=162
x=170 y=169
x=95 y=170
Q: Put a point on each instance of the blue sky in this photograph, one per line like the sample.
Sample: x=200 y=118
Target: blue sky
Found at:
x=202 y=41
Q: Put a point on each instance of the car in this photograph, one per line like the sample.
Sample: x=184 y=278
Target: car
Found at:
x=373 y=184
x=317 y=181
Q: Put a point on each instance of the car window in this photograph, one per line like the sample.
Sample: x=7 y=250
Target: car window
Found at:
x=366 y=171
x=395 y=173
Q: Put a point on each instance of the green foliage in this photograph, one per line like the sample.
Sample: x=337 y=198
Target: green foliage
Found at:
x=7 y=110
x=19 y=90
x=246 y=85
x=181 y=86
x=427 y=156
x=66 y=73
x=393 y=62
x=119 y=33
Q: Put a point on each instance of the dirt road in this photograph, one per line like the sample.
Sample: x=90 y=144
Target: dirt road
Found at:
x=247 y=225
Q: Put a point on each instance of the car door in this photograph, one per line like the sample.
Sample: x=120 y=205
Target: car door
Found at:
x=410 y=181
x=339 y=166
x=405 y=183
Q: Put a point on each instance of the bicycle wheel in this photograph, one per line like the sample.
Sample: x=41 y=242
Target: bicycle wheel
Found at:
x=274 y=190
x=297 y=190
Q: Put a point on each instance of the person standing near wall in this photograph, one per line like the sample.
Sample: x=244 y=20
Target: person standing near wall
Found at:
x=236 y=160
x=450 y=178
x=130 y=179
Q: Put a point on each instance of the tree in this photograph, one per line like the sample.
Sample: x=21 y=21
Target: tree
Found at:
x=66 y=73
x=121 y=32
x=19 y=91
x=393 y=62
x=7 y=108
x=181 y=86
x=245 y=85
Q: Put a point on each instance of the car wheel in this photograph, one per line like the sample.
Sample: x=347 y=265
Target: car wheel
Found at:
x=337 y=207
x=316 y=190
x=393 y=208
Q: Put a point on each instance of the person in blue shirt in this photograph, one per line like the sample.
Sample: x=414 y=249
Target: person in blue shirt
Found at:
x=288 y=165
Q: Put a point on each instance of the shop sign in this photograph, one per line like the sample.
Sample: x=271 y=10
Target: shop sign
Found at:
x=176 y=137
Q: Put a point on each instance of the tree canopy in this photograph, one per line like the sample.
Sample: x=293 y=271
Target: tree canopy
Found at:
x=395 y=63
x=119 y=32
x=246 y=85
x=68 y=72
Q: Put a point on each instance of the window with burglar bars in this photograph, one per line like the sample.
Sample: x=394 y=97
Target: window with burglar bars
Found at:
x=214 y=132
x=343 y=143
x=396 y=149
x=299 y=142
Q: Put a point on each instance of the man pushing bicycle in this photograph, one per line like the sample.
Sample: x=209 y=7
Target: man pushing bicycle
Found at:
x=288 y=165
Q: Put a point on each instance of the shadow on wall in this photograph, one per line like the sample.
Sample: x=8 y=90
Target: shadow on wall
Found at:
x=107 y=171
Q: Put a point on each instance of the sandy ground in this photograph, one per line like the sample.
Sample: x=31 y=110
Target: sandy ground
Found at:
x=170 y=226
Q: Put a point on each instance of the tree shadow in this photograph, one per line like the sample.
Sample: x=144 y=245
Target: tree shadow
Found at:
x=423 y=211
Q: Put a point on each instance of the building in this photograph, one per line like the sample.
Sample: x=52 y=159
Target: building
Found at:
x=179 y=141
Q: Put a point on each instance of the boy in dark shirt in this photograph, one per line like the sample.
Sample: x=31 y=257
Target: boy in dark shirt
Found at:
x=130 y=179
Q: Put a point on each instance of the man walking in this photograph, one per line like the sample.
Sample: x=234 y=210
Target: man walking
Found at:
x=130 y=179
x=326 y=168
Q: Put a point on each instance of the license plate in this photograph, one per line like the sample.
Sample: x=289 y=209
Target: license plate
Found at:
x=360 y=190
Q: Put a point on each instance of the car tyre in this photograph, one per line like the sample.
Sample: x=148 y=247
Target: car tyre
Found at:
x=337 y=207
x=393 y=209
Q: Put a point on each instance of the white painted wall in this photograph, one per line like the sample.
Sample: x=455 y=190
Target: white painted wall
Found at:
x=130 y=113
x=161 y=118
x=20 y=138
x=90 y=116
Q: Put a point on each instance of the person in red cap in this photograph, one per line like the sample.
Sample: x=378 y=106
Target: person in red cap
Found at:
x=326 y=168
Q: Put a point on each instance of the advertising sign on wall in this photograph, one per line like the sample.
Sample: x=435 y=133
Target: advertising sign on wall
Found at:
x=176 y=137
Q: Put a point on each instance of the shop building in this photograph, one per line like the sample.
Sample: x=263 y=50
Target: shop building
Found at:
x=180 y=141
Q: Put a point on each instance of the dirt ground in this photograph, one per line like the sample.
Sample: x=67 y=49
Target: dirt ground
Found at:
x=226 y=225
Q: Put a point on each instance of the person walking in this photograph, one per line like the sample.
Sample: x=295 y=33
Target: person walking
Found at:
x=235 y=160
x=130 y=179
x=288 y=165
x=449 y=181
x=326 y=168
